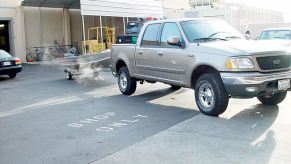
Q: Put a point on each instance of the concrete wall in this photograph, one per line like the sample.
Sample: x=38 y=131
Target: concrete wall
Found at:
x=238 y=16
x=10 y=10
x=174 y=9
x=44 y=26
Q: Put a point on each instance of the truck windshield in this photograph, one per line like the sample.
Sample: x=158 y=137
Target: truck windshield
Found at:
x=209 y=30
x=275 y=34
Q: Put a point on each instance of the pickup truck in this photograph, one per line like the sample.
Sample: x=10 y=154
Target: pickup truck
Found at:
x=207 y=55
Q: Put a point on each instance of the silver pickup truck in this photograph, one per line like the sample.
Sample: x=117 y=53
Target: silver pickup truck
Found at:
x=208 y=56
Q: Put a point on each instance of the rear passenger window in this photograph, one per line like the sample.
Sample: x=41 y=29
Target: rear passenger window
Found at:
x=150 y=35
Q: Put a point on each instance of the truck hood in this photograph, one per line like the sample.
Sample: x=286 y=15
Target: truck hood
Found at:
x=240 y=47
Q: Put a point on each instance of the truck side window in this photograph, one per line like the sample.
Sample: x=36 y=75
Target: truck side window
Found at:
x=150 y=35
x=170 y=29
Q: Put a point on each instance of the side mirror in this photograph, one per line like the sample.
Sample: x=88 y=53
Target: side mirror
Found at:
x=174 y=41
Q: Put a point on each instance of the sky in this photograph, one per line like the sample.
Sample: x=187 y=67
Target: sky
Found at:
x=277 y=5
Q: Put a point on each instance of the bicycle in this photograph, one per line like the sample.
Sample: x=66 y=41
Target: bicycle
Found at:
x=36 y=55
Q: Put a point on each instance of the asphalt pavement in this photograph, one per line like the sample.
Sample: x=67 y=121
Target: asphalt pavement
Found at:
x=45 y=118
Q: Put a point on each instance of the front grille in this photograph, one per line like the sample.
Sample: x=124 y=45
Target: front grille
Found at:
x=274 y=62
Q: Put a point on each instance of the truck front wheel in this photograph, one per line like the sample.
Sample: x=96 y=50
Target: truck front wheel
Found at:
x=210 y=95
x=272 y=99
x=127 y=84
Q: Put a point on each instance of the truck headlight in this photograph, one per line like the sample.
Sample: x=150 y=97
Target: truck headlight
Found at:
x=237 y=63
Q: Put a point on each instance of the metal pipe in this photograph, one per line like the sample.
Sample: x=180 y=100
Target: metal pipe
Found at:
x=101 y=32
x=84 y=36
x=123 y=26
x=40 y=27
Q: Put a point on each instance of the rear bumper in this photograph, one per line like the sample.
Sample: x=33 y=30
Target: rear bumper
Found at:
x=252 y=84
x=12 y=69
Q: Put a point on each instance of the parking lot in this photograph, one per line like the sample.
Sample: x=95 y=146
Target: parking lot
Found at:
x=45 y=118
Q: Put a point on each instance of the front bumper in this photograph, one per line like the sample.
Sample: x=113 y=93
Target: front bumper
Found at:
x=252 y=84
x=11 y=69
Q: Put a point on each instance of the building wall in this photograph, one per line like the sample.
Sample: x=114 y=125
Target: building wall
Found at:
x=172 y=9
x=44 y=26
x=239 y=16
x=11 y=10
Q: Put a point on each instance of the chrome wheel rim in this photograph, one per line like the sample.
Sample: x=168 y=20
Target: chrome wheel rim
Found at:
x=68 y=75
x=206 y=96
x=122 y=81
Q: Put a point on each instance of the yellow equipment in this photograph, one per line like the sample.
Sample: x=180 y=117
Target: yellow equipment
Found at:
x=94 y=42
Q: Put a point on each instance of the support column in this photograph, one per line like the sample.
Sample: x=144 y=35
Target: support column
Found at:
x=123 y=26
x=101 y=33
x=84 y=36
x=66 y=27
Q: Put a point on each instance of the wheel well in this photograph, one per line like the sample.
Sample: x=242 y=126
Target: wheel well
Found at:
x=119 y=64
x=200 y=70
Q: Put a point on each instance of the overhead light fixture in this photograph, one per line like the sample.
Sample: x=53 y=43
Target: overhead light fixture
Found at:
x=2 y=25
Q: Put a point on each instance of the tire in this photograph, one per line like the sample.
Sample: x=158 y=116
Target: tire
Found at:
x=175 y=87
x=69 y=76
x=272 y=99
x=126 y=84
x=12 y=75
x=210 y=95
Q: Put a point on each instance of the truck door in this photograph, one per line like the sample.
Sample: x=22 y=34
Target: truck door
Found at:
x=171 y=61
x=146 y=52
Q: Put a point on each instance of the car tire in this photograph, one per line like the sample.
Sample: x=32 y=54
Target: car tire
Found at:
x=175 y=87
x=272 y=99
x=12 y=75
x=210 y=95
x=126 y=83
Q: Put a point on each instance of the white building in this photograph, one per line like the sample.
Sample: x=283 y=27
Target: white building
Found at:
x=41 y=23
x=238 y=15
x=37 y=23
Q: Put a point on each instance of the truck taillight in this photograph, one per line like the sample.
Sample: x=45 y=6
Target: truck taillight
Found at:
x=17 y=61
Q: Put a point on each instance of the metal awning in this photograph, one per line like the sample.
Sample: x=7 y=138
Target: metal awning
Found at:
x=69 y=4
x=122 y=8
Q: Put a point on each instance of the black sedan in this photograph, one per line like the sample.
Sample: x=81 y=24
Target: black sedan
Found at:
x=9 y=65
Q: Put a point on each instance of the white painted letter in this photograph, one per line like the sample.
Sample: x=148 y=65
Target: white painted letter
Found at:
x=75 y=125
x=101 y=117
x=88 y=121
x=110 y=114
x=130 y=120
x=139 y=115
x=117 y=124
x=104 y=129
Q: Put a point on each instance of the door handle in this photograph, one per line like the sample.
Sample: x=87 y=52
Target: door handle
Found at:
x=190 y=56
x=140 y=53
x=160 y=54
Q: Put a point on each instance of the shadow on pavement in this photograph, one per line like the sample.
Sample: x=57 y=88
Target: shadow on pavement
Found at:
x=258 y=120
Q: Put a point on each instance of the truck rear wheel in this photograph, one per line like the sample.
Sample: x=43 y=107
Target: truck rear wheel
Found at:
x=127 y=84
x=272 y=99
x=210 y=95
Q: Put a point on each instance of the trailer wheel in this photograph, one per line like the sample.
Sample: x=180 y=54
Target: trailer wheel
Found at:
x=126 y=84
x=69 y=76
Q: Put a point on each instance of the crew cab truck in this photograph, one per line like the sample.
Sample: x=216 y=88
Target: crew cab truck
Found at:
x=208 y=56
